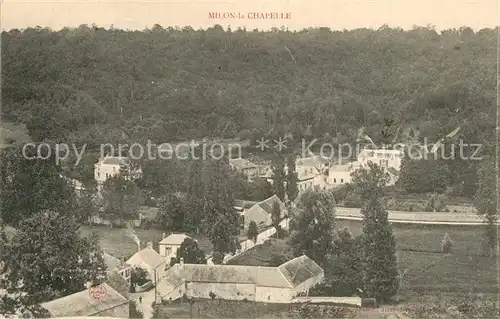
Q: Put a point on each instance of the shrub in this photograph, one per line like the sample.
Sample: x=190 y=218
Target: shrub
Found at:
x=446 y=244
x=212 y=295
x=369 y=302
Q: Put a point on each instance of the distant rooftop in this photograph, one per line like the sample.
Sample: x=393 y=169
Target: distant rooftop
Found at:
x=114 y=160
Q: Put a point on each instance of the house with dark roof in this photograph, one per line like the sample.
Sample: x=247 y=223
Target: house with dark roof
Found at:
x=112 y=304
x=262 y=284
x=115 y=265
x=261 y=212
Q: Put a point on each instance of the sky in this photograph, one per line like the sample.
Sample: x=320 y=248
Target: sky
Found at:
x=337 y=15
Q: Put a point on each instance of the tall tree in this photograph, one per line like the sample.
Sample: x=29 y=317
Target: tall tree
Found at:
x=121 y=198
x=292 y=190
x=252 y=231
x=35 y=178
x=279 y=176
x=219 y=216
x=89 y=203
x=344 y=266
x=313 y=224
x=47 y=259
x=190 y=252
x=380 y=263
x=172 y=212
x=485 y=202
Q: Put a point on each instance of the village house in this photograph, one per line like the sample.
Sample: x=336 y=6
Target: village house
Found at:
x=340 y=174
x=383 y=157
x=82 y=304
x=111 y=166
x=168 y=246
x=261 y=284
x=149 y=260
x=248 y=168
x=261 y=212
x=114 y=264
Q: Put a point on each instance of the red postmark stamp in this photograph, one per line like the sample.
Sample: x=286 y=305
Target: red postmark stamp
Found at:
x=97 y=293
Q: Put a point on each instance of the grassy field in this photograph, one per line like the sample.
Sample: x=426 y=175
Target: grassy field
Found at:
x=430 y=271
x=427 y=270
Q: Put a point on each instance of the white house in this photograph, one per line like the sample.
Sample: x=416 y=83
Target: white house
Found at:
x=261 y=284
x=108 y=167
x=168 y=246
x=382 y=157
x=248 y=168
x=149 y=260
x=340 y=174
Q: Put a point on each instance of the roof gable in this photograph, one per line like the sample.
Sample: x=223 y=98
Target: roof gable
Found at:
x=174 y=239
x=267 y=204
x=261 y=276
x=147 y=255
x=300 y=269
x=80 y=303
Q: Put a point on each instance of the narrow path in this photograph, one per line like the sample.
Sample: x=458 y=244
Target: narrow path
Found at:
x=148 y=297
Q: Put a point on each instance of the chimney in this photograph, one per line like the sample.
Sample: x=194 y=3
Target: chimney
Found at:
x=150 y=245
x=181 y=261
x=163 y=235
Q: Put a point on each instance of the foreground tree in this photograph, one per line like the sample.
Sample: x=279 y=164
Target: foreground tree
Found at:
x=47 y=259
x=379 y=246
x=485 y=203
x=312 y=226
x=344 y=267
x=36 y=179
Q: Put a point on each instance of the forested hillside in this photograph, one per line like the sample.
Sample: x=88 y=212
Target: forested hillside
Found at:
x=91 y=85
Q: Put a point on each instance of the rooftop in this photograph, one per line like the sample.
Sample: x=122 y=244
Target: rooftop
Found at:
x=80 y=303
x=149 y=256
x=340 y=168
x=114 y=160
x=288 y=275
x=241 y=163
x=112 y=263
x=174 y=239
x=267 y=204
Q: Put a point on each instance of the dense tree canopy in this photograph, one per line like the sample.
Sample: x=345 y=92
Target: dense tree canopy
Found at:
x=91 y=86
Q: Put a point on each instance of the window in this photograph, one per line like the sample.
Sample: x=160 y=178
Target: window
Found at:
x=335 y=181
x=107 y=175
x=98 y=174
x=341 y=180
x=168 y=250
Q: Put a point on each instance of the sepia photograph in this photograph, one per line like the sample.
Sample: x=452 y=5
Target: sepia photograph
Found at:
x=250 y=159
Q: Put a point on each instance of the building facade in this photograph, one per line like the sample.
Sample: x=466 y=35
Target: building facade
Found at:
x=168 y=246
x=261 y=284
